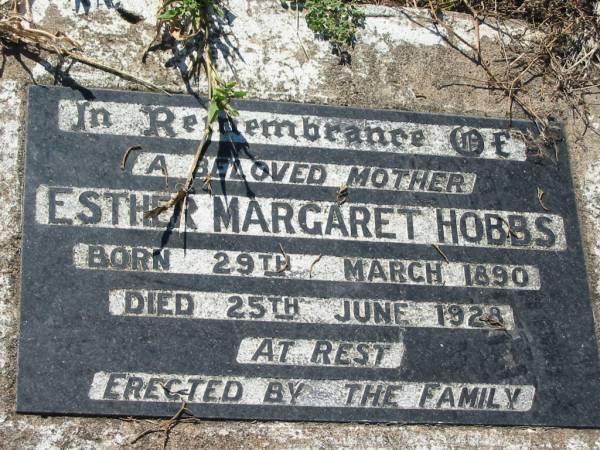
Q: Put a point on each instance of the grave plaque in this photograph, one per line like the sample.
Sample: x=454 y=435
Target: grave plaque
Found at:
x=334 y=264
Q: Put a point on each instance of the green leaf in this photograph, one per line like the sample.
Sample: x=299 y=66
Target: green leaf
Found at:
x=168 y=15
x=213 y=111
x=232 y=111
x=239 y=94
x=218 y=10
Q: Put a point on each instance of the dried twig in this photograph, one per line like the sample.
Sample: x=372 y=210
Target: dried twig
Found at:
x=507 y=88
x=166 y=174
x=165 y=426
x=566 y=40
x=540 y=196
x=286 y=265
x=170 y=392
x=182 y=193
x=509 y=231
x=477 y=38
x=313 y=265
x=175 y=198
x=126 y=154
x=16 y=30
x=439 y=250
x=213 y=82
x=207 y=183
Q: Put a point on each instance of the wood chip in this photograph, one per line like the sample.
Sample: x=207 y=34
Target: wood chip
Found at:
x=342 y=194
x=207 y=183
x=492 y=321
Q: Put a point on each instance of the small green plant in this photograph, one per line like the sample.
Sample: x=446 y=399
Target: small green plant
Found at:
x=334 y=20
x=220 y=100
x=196 y=22
x=187 y=19
x=189 y=13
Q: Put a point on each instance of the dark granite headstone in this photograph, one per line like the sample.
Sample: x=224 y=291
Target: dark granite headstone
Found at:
x=335 y=264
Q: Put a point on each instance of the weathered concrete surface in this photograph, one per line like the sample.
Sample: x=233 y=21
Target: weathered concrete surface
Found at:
x=395 y=65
